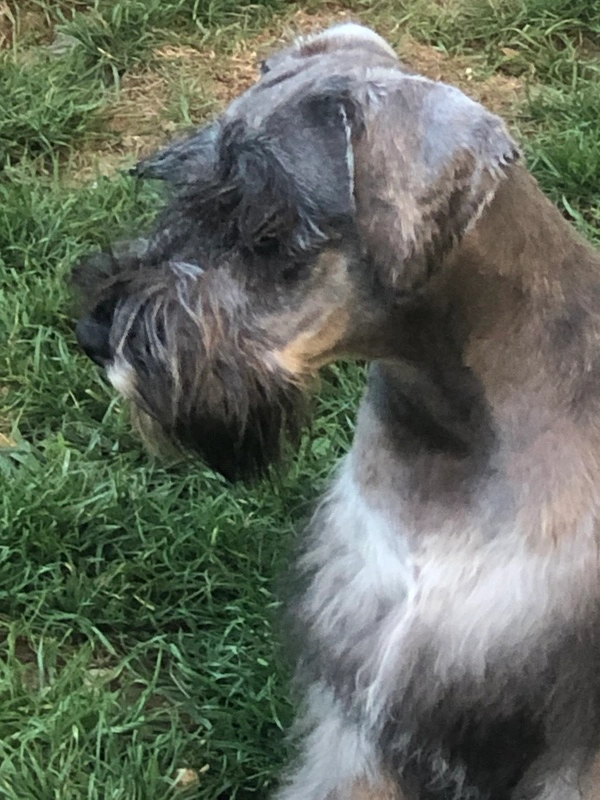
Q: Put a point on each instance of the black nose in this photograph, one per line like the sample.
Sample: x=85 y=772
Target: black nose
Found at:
x=93 y=339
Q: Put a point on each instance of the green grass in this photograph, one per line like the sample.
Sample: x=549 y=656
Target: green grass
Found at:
x=137 y=601
x=43 y=111
x=116 y=35
x=563 y=149
x=539 y=38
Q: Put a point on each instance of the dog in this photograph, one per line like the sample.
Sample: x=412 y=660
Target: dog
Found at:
x=446 y=605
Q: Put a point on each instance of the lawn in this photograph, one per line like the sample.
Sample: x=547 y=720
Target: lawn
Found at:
x=138 y=640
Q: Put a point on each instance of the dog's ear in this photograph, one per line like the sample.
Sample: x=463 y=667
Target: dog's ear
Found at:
x=311 y=137
x=428 y=161
x=182 y=161
x=410 y=161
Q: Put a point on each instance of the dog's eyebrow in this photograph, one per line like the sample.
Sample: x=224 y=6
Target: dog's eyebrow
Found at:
x=179 y=161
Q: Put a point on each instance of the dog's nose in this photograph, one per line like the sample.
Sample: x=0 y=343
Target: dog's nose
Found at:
x=93 y=338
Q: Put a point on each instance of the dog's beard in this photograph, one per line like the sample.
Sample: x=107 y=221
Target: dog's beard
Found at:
x=201 y=379
x=241 y=440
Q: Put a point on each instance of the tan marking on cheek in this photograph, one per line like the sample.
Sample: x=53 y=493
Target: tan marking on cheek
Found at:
x=311 y=350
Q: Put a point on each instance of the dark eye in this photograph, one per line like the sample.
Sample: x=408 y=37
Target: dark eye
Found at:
x=290 y=274
x=294 y=272
x=263 y=66
x=267 y=246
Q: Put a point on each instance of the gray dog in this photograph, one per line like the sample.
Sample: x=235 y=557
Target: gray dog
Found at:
x=446 y=621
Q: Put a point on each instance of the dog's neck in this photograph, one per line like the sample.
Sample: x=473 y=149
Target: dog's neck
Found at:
x=496 y=375
x=521 y=296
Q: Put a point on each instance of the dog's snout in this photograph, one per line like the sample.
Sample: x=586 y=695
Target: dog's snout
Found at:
x=93 y=337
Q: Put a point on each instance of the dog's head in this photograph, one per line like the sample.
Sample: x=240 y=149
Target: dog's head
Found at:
x=321 y=200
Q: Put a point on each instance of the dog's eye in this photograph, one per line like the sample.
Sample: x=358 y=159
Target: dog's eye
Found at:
x=263 y=66
x=294 y=272
x=268 y=246
x=290 y=274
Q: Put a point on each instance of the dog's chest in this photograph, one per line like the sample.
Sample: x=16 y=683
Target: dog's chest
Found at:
x=381 y=597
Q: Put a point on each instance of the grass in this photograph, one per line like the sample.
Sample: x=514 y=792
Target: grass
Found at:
x=42 y=112
x=137 y=602
x=116 y=36
x=533 y=37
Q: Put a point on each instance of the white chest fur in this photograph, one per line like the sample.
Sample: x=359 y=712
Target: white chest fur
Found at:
x=381 y=594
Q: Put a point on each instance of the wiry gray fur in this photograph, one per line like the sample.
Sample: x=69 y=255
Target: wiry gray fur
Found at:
x=445 y=612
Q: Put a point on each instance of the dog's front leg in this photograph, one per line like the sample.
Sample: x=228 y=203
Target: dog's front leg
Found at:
x=338 y=757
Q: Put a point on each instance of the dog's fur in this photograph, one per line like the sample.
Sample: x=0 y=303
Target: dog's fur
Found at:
x=446 y=616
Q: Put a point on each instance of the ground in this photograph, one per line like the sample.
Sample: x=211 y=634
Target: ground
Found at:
x=138 y=657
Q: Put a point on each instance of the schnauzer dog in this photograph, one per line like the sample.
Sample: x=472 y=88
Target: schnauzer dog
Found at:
x=447 y=620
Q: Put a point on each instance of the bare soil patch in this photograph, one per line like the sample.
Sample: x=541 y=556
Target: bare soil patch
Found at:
x=133 y=125
x=7 y=26
x=27 y=24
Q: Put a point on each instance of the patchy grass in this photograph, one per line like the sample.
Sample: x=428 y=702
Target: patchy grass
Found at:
x=43 y=111
x=137 y=658
x=563 y=149
x=116 y=35
x=536 y=38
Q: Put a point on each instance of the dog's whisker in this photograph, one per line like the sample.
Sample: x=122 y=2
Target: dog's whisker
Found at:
x=187 y=269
